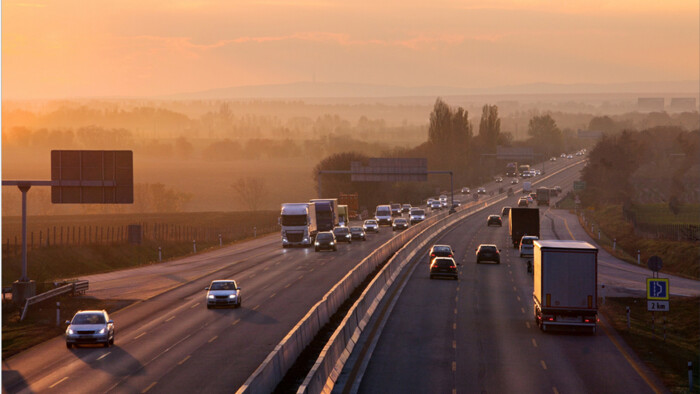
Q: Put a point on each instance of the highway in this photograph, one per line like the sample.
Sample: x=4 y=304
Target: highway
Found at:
x=168 y=341
x=478 y=334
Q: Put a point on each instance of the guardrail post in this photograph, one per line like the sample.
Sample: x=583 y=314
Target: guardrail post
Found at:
x=58 y=314
x=255 y=232
x=638 y=257
x=194 y=246
x=160 y=254
x=614 y=243
x=220 y=241
x=628 y=318
x=690 y=376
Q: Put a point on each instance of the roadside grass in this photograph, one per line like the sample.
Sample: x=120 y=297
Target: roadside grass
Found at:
x=39 y=324
x=54 y=262
x=680 y=258
x=667 y=358
x=662 y=214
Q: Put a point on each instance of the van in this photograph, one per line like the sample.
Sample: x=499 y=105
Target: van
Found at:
x=383 y=215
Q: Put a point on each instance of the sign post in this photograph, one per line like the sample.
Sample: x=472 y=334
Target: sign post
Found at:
x=79 y=177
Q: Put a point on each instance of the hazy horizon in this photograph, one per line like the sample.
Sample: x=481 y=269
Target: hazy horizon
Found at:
x=154 y=49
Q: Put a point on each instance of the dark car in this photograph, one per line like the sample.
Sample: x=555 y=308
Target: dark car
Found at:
x=325 y=240
x=399 y=224
x=522 y=202
x=357 y=233
x=395 y=209
x=342 y=234
x=494 y=220
x=488 y=252
x=505 y=211
x=406 y=208
x=440 y=251
x=443 y=267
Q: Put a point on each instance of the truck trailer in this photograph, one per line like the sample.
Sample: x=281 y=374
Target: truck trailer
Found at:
x=298 y=222
x=326 y=213
x=543 y=194
x=523 y=221
x=565 y=285
x=343 y=215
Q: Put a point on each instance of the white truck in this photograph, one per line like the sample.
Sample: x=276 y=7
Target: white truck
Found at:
x=298 y=222
x=565 y=284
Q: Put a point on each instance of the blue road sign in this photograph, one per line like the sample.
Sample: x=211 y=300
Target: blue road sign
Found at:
x=657 y=289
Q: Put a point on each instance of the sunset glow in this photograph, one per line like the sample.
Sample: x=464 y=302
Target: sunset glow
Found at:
x=133 y=48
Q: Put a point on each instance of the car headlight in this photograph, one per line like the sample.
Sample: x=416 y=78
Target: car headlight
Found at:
x=210 y=296
x=232 y=296
x=306 y=239
x=69 y=331
x=348 y=236
x=317 y=243
x=331 y=243
x=102 y=331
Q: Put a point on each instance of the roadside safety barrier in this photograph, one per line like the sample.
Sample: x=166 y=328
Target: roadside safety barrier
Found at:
x=77 y=287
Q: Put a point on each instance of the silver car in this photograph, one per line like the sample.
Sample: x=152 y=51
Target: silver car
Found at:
x=223 y=293
x=90 y=327
x=371 y=225
x=417 y=215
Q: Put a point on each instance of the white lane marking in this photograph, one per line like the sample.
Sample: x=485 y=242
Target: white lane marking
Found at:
x=527 y=323
x=183 y=360
x=272 y=295
x=518 y=297
x=522 y=310
x=59 y=382
x=278 y=263
x=300 y=276
x=515 y=288
x=255 y=308
x=236 y=322
x=455 y=311
x=252 y=276
x=140 y=335
x=544 y=366
x=510 y=272
x=194 y=306
x=287 y=285
x=534 y=343
x=554 y=390
x=454 y=366
x=149 y=387
x=454 y=326
x=213 y=339
x=266 y=269
x=103 y=356
x=456 y=298
x=170 y=318
x=454 y=344
x=457 y=288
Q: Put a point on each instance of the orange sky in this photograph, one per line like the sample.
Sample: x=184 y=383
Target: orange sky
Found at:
x=78 y=48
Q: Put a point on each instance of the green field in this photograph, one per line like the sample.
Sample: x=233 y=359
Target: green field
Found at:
x=662 y=214
x=60 y=261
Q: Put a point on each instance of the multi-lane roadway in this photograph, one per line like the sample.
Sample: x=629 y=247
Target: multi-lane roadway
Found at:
x=168 y=341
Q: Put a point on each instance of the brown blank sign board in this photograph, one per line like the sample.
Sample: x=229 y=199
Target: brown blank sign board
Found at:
x=92 y=176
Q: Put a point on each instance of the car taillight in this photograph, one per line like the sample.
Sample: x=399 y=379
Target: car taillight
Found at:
x=432 y=255
x=450 y=255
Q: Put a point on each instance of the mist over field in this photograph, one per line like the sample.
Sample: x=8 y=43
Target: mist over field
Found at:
x=190 y=155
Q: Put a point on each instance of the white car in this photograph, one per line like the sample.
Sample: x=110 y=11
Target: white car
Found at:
x=223 y=293
x=416 y=215
x=481 y=190
x=527 y=248
x=371 y=225
x=443 y=200
x=569 y=157
x=465 y=190
x=435 y=205
x=90 y=327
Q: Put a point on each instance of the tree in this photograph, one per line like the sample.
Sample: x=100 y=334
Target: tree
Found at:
x=250 y=191
x=490 y=127
x=602 y=123
x=546 y=138
x=449 y=139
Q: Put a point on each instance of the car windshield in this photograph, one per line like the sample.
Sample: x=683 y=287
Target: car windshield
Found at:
x=223 y=286
x=400 y=221
x=527 y=241
x=89 y=318
x=442 y=249
x=417 y=212
x=324 y=237
x=355 y=230
x=340 y=230
x=484 y=248
x=370 y=222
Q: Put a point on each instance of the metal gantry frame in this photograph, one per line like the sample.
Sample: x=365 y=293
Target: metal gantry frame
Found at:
x=349 y=172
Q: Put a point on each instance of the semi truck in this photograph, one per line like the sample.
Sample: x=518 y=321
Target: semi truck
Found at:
x=343 y=215
x=326 y=213
x=352 y=201
x=523 y=168
x=523 y=221
x=527 y=187
x=543 y=196
x=512 y=169
x=565 y=285
x=298 y=222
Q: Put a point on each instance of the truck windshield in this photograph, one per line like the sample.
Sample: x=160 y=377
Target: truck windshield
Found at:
x=383 y=212
x=293 y=220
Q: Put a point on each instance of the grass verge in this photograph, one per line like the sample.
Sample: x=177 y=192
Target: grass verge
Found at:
x=680 y=258
x=668 y=357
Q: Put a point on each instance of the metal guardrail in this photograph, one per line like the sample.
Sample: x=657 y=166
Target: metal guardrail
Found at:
x=77 y=287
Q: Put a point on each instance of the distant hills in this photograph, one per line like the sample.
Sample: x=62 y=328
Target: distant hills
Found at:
x=351 y=90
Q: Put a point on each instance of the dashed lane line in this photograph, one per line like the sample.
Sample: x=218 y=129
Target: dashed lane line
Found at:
x=140 y=335
x=195 y=305
x=213 y=339
x=183 y=360
x=170 y=318
x=255 y=308
x=59 y=382
x=272 y=295
x=150 y=386
x=544 y=366
x=522 y=310
x=534 y=342
x=103 y=356
x=236 y=322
